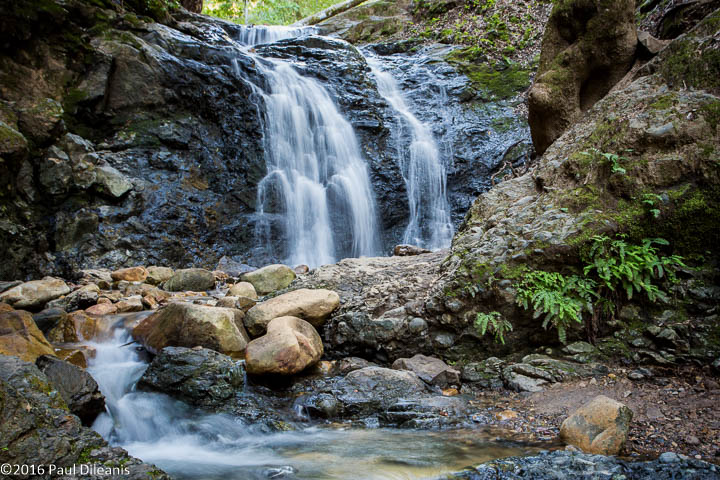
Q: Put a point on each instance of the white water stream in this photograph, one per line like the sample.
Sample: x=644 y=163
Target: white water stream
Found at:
x=259 y=34
x=190 y=444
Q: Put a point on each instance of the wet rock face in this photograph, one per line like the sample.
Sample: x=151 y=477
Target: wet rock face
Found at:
x=76 y=386
x=198 y=376
x=170 y=149
x=36 y=424
x=148 y=149
x=473 y=134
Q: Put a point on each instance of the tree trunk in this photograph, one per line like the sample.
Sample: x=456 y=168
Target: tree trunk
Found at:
x=327 y=13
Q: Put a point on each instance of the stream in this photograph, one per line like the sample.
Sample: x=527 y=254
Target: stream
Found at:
x=191 y=444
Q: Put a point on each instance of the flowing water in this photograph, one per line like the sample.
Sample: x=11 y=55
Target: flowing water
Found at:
x=259 y=34
x=429 y=225
x=317 y=184
x=190 y=444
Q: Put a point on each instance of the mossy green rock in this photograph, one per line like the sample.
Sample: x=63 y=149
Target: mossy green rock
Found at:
x=191 y=279
x=12 y=142
x=36 y=421
x=271 y=278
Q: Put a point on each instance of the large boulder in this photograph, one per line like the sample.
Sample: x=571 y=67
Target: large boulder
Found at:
x=313 y=306
x=289 y=346
x=589 y=45
x=599 y=427
x=192 y=279
x=189 y=325
x=20 y=337
x=131 y=274
x=196 y=375
x=270 y=278
x=35 y=294
x=76 y=386
x=430 y=370
x=385 y=381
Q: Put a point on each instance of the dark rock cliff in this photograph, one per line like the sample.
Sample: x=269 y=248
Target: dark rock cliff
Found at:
x=130 y=141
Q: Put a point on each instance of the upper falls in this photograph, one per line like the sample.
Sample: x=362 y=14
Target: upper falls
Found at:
x=317 y=194
x=317 y=178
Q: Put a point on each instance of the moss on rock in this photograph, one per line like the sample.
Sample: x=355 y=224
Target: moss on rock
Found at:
x=503 y=82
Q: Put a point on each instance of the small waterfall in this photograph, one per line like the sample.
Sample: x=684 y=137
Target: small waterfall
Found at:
x=260 y=34
x=317 y=178
x=425 y=177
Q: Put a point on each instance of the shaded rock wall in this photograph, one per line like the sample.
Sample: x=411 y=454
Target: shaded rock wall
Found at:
x=126 y=141
x=170 y=142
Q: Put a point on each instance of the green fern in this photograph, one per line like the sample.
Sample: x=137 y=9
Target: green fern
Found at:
x=561 y=299
x=612 y=267
x=632 y=268
x=494 y=323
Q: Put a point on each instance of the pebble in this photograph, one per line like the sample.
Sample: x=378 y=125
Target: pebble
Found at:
x=669 y=457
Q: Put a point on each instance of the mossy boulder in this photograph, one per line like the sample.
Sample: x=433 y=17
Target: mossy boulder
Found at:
x=193 y=279
x=499 y=81
x=12 y=142
x=270 y=278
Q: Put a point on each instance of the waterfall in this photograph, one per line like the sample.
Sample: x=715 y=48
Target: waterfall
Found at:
x=259 y=34
x=316 y=176
x=423 y=171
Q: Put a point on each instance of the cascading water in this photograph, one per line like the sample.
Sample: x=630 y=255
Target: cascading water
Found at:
x=315 y=172
x=191 y=444
x=425 y=177
x=259 y=34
